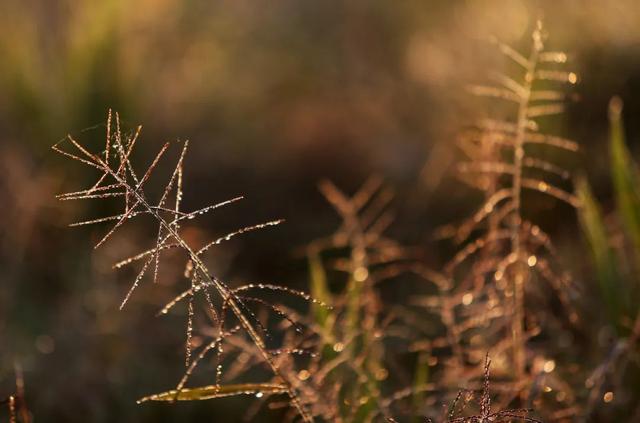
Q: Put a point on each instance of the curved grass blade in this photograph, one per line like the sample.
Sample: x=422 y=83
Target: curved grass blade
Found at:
x=625 y=174
x=604 y=260
x=217 y=391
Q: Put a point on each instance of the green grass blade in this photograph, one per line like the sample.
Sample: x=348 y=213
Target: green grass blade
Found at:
x=603 y=257
x=216 y=391
x=625 y=175
x=420 y=380
x=319 y=290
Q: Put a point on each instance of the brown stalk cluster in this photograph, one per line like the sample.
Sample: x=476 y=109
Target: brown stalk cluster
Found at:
x=335 y=363
x=234 y=324
x=506 y=263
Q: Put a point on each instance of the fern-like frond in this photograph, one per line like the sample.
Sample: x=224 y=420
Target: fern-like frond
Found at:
x=502 y=253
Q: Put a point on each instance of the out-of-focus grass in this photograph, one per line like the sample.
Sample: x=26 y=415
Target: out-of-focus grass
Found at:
x=613 y=241
x=615 y=256
x=602 y=255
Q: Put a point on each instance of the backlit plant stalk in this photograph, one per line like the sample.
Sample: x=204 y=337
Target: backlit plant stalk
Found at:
x=353 y=351
x=502 y=251
x=168 y=237
x=520 y=273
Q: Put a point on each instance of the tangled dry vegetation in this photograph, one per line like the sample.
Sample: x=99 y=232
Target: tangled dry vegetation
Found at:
x=338 y=360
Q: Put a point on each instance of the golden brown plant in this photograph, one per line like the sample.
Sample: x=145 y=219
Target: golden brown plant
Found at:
x=484 y=405
x=504 y=255
x=346 y=377
x=234 y=326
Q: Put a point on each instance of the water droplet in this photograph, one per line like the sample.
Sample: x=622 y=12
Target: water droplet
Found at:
x=549 y=366
x=361 y=274
x=382 y=374
x=303 y=374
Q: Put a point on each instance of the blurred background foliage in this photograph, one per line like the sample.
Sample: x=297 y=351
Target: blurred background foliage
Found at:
x=273 y=96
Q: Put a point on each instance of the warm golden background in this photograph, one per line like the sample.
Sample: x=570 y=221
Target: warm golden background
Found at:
x=273 y=96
